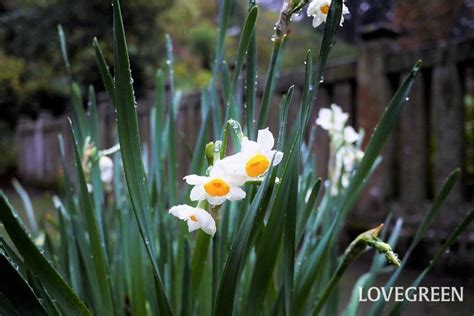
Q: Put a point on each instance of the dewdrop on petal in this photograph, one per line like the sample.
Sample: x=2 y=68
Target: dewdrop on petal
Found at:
x=195 y=217
x=319 y=9
x=218 y=187
x=254 y=159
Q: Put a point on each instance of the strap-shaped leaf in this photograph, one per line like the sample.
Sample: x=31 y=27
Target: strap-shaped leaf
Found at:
x=251 y=82
x=396 y=311
x=104 y=71
x=378 y=306
x=245 y=40
x=224 y=301
x=171 y=141
x=37 y=263
x=272 y=73
x=131 y=154
x=97 y=244
x=15 y=288
x=330 y=28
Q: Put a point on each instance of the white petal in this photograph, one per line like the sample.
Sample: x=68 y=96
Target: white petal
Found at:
x=325 y=118
x=339 y=118
x=312 y=7
x=106 y=166
x=105 y=162
x=317 y=21
x=232 y=164
x=234 y=167
x=218 y=170
x=278 y=157
x=265 y=139
x=236 y=194
x=216 y=200
x=197 y=193
x=192 y=225
x=206 y=221
x=209 y=228
x=182 y=211
x=248 y=147
x=350 y=135
x=194 y=179
x=345 y=9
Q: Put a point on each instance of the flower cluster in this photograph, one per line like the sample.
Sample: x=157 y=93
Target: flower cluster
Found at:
x=225 y=179
x=319 y=9
x=344 y=147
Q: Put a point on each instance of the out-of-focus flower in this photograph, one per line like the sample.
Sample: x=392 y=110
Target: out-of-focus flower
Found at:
x=333 y=119
x=347 y=158
x=254 y=159
x=350 y=135
x=195 y=217
x=106 y=166
x=345 y=153
x=219 y=186
x=319 y=9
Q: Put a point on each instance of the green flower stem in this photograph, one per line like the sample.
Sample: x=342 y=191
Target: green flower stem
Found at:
x=214 y=210
x=279 y=40
x=278 y=44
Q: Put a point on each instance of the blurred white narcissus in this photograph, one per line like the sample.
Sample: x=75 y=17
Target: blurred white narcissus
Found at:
x=345 y=152
x=333 y=119
x=218 y=187
x=254 y=159
x=195 y=217
x=106 y=166
x=350 y=135
x=319 y=9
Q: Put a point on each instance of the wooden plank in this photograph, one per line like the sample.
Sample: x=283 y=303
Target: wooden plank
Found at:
x=344 y=97
x=413 y=149
x=373 y=93
x=461 y=50
x=447 y=124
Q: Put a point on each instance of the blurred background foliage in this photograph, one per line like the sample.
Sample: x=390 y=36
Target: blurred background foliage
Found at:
x=32 y=76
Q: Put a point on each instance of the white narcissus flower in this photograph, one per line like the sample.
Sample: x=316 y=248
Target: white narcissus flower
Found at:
x=347 y=158
x=333 y=119
x=319 y=9
x=350 y=135
x=106 y=166
x=90 y=188
x=254 y=159
x=217 y=187
x=195 y=217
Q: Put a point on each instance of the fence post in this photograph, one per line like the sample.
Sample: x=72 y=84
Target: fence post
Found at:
x=447 y=120
x=39 y=145
x=373 y=94
x=21 y=145
x=413 y=152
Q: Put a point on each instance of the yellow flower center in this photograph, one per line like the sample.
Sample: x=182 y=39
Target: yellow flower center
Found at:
x=217 y=187
x=194 y=218
x=324 y=9
x=257 y=165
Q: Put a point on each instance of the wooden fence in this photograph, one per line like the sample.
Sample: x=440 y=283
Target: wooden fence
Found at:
x=430 y=141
